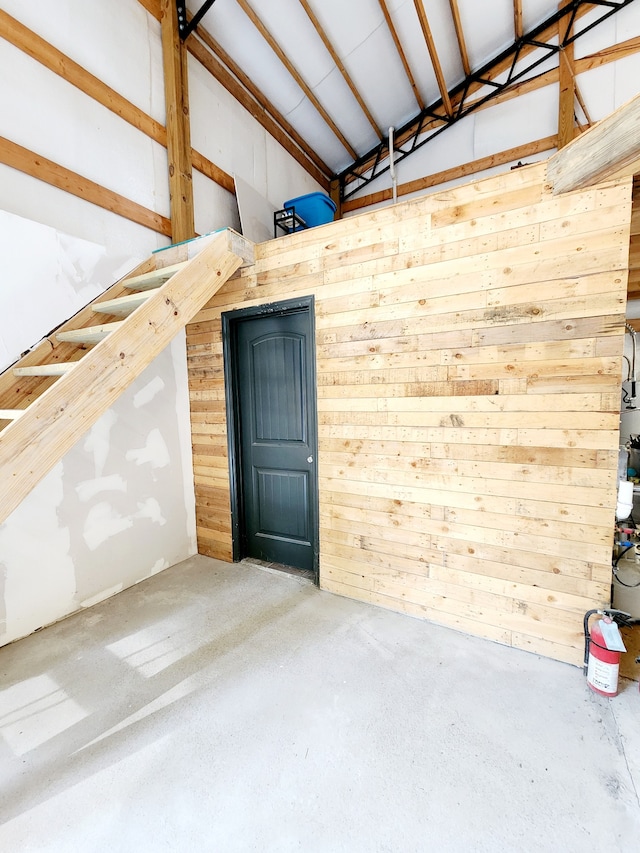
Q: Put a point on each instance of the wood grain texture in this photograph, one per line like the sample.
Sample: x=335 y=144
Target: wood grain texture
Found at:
x=634 y=245
x=31 y=445
x=567 y=94
x=468 y=355
x=500 y=158
x=176 y=95
x=33 y=164
x=610 y=150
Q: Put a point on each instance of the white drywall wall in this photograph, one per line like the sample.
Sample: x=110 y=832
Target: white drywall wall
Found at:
x=47 y=277
x=120 y=43
x=120 y=505
x=228 y=135
x=118 y=508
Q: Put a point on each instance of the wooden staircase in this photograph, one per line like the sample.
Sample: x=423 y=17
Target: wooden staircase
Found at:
x=58 y=390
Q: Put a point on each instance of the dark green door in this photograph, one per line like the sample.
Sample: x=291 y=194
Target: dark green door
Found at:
x=277 y=429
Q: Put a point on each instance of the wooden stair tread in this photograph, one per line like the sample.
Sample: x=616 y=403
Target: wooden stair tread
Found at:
x=55 y=369
x=90 y=334
x=67 y=408
x=11 y=414
x=155 y=278
x=121 y=307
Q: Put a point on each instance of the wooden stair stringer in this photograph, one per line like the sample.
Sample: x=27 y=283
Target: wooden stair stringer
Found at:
x=33 y=443
x=22 y=391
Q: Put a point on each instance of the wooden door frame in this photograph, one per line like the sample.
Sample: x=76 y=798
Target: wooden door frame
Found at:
x=230 y=321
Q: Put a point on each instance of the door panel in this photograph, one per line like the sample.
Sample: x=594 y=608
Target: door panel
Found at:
x=277 y=418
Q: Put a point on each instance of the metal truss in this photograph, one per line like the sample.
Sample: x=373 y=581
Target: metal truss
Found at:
x=433 y=119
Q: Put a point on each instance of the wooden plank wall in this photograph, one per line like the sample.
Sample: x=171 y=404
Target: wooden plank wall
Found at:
x=634 y=247
x=469 y=363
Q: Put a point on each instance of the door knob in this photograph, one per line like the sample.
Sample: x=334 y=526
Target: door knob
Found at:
x=309 y=459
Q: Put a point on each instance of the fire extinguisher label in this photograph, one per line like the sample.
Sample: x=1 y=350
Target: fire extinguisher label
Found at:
x=602 y=675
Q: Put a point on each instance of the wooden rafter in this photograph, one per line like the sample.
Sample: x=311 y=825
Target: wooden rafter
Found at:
x=517 y=19
x=496 y=71
x=273 y=44
x=251 y=99
x=401 y=53
x=339 y=64
x=433 y=53
x=263 y=102
x=462 y=44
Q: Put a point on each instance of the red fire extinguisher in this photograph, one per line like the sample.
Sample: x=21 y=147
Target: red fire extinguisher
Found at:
x=602 y=663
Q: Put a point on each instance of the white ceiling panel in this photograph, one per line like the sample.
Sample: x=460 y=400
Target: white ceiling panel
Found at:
x=444 y=35
x=384 y=85
x=305 y=120
x=534 y=12
x=348 y=22
x=407 y=24
x=490 y=27
x=292 y=29
x=346 y=112
x=363 y=42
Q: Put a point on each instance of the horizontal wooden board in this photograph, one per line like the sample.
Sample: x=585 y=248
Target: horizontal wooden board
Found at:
x=468 y=358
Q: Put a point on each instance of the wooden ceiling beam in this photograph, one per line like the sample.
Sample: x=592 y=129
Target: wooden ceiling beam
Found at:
x=339 y=64
x=264 y=103
x=213 y=65
x=401 y=53
x=433 y=53
x=256 y=103
x=517 y=19
x=266 y=35
x=609 y=150
x=498 y=69
x=462 y=44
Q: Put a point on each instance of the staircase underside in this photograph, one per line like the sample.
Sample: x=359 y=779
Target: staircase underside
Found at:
x=57 y=391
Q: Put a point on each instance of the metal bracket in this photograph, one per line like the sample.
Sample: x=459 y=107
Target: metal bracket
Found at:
x=186 y=27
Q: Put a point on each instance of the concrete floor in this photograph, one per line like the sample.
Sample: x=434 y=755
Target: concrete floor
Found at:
x=229 y=708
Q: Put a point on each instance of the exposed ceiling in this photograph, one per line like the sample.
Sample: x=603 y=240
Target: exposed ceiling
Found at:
x=337 y=74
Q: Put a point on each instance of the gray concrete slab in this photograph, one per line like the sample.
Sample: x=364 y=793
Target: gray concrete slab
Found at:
x=225 y=708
